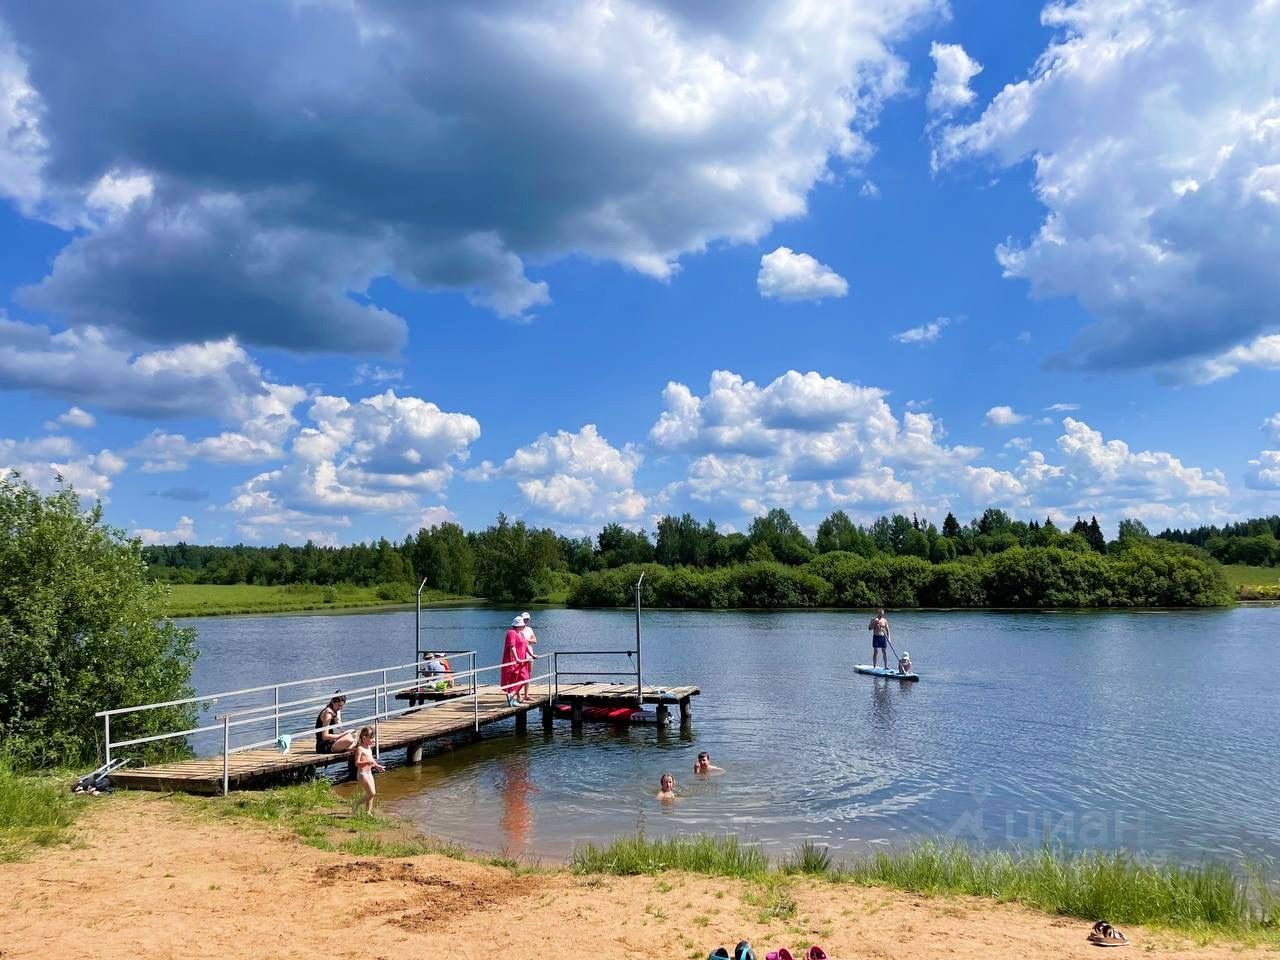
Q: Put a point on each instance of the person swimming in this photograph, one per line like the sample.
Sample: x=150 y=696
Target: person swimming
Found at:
x=904 y=662
x=704 y=765
x=667 y=787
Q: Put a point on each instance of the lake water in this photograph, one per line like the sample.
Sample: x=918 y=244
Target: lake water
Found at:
x=1155 y=731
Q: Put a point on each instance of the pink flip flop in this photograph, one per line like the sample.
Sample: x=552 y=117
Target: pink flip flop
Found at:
x=782 y=953
x=816 y=953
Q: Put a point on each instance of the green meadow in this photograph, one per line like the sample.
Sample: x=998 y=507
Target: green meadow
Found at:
x=207 y=599
x=1253 y=583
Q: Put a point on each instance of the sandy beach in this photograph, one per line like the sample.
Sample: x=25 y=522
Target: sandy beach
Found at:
x=149 y=878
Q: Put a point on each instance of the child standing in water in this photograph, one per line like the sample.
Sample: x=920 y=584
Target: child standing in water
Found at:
x=365 y=765
x=667 y=787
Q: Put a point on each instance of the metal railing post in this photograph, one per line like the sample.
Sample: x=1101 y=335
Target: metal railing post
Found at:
x=475 y=680
x=106 y=722
x=386 y=704
x=377 y=736
x=555 y=669
x=277 y=711
x=639 y=687
x=226 y=752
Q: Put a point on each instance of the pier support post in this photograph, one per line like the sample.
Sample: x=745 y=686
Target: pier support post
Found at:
x=575 y=715
x=522 y=721
x=663 y=713
x=414 y=754
x=686 y=714
x=547 y=715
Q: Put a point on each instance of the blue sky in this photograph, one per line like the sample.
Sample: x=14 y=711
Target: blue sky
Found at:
x=336 y=270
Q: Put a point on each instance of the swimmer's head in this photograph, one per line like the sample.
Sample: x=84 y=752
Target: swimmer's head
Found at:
x=703 y=761
x=667 y=783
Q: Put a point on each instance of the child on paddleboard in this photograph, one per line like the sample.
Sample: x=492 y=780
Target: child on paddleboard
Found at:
x=365 y=765
x=904 y=662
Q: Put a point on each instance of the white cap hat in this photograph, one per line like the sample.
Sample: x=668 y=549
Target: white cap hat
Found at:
x=525 y=616
x=518 y=622
x=905 y=655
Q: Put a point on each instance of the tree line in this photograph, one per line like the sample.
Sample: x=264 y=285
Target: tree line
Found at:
x=1255 y=542
x=512 y=561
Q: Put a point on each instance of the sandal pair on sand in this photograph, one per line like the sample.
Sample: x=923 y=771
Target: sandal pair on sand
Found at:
x=743 y=951
x=1104 y=934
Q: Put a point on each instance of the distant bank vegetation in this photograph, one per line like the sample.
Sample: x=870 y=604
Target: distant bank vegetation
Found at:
x=897 y=561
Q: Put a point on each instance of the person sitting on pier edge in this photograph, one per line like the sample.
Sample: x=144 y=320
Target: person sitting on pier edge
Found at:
x=436 y=668
x=331 y=740
x=704 y=765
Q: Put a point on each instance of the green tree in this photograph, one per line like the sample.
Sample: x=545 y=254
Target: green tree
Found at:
x=1093 y=534
x=782 y=535
x=951 y=526
x=82 y=628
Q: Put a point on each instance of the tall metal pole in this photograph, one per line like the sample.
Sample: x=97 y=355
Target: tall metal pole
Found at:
x=417 y=623
x=639 y=672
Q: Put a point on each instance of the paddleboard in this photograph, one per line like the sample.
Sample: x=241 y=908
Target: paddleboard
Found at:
x=882 y=672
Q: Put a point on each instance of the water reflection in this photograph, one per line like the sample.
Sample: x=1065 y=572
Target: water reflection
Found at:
x=515 y=786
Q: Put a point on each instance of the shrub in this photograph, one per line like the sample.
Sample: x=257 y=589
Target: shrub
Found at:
x=82 y=628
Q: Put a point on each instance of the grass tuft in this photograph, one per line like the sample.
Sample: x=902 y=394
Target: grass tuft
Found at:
x=35 y=811
x=809 y=858
x=630 y=856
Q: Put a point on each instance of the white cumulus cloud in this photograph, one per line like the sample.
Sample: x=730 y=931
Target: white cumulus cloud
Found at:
x=1149 y=124
x=184 y=531
x=787 y=275
x=1004 y=416
x=925 y=333
x=576 y=476
x=953 y=69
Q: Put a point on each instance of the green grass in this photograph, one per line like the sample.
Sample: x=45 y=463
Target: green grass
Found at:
x=320 y=818
x=35 y=811
x=206 y=599
x=1253 y=583
x=1208 y=899
x=715 y=856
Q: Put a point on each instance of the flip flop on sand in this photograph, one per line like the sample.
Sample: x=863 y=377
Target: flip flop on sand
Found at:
x=782 y=953
x=1104 y=934
x=816 y=953
x=743 y=951
x=719 y=953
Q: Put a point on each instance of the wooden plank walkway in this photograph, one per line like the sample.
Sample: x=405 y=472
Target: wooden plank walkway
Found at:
x=449 y=717
x=248 y=768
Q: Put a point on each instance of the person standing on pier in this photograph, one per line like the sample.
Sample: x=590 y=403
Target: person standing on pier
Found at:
x=515 y=660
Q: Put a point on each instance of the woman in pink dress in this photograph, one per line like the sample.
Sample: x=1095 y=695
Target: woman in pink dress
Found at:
x=515 y=660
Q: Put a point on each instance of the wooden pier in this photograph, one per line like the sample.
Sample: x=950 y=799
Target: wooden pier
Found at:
x=411 y=731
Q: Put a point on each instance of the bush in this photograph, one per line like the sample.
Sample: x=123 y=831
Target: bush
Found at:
x=397 y=592
x=772 y=585
x=1147 y=573
x=82 y=628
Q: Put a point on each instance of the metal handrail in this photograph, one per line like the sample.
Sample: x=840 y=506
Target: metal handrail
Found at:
x=213 y=697
x=557 y=654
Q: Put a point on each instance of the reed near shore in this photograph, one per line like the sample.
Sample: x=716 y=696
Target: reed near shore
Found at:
x=1208 y=898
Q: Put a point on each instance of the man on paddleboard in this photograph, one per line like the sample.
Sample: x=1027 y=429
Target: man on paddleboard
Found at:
x=879 y=628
